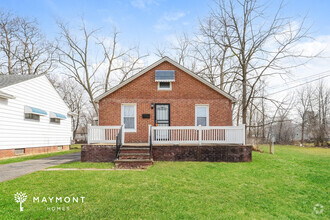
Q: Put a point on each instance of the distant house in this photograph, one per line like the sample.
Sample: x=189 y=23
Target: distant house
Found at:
x=33 y=116
x=164 y=94
x=81 y=135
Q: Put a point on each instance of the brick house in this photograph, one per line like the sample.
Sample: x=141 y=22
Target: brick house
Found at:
x=164 y=94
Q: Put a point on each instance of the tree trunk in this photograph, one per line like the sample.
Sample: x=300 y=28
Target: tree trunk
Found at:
x=244 y=106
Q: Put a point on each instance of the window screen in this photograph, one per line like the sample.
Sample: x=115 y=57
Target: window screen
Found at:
x=202 y=115
x=129 y=116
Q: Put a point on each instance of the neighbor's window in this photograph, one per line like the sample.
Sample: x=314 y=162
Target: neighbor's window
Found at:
x=128 y=117
x=164 y=86
x=19 y=151
x=32 y=116
x=55 y=120
x=202 y=115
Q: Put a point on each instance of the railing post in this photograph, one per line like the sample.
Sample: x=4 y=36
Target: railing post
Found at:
x=200 y=135
x=149 y=133
x=123 y=134
x=244 y=138
x=88 y=133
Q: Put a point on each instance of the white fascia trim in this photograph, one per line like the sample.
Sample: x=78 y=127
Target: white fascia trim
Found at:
x=156 y=64
x=6 y=95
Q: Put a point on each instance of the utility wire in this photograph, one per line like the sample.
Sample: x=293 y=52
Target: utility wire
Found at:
x=302 y=79
x=299 y=85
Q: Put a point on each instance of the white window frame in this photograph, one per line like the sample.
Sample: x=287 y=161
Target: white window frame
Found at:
x=207 y=113
x=166 y=89
x=122 y=116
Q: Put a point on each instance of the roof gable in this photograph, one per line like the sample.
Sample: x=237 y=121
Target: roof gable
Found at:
x=164 y=59
x=8 y=80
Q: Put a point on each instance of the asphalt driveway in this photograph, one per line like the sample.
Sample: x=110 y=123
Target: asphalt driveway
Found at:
x=14 y=170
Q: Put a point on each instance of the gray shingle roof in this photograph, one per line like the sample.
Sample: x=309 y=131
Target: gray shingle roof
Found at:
x=8 y=80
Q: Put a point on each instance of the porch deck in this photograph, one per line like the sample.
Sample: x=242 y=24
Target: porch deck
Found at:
x=169 y=143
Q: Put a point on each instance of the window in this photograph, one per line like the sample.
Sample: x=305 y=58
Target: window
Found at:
x=164 y=86
x=202 y=115
x=19 y=151
x=32 y=116
x=128 y=116
x=55 y=120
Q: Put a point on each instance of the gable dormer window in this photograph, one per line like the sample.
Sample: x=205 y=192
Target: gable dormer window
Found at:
x=165 y=79
x=164 y=86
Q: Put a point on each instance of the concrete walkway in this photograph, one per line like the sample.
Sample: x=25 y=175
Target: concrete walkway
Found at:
x=13 y=170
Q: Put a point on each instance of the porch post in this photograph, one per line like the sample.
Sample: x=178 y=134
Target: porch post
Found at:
x=88 y=133
x=149 y=127
x=244 y=138
x=123 y=134
x=199 y=134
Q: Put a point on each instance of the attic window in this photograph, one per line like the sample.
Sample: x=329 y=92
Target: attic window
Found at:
x=164 y=86
x=165 y=76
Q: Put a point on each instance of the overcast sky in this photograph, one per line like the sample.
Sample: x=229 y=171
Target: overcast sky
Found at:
x=152 y=22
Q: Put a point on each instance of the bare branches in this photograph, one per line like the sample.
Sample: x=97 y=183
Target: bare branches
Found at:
x=78 y=54
x=118 y=59
x=24 y=49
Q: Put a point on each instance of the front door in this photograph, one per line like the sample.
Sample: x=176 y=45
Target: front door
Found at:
x=162 y=118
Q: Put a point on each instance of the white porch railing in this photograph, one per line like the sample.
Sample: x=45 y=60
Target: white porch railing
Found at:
x=198 y=134
x=104 y=134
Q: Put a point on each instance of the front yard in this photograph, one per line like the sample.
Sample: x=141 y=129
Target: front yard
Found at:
x=286 y=185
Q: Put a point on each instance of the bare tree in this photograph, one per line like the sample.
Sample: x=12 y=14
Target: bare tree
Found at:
x=319 y=114
x=73 y=96
x=77 y=55
x=119 y=59
x=74 y=56
x=260 y=44
x=303 y=106
x=24 y=49
x=8 y=45
x=35 y=54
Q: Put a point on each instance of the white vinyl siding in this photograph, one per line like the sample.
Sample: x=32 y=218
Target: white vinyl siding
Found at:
x=128 y=116
x=202 y=115
x=18 y=132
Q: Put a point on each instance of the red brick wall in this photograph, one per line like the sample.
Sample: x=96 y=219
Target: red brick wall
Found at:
x=33 y=150
x=185 y=94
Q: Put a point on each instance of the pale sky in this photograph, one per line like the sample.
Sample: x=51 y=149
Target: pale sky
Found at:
x=153 y=22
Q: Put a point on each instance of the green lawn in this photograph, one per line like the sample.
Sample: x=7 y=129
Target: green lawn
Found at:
x=75 y=146
x=81 y=165
x=286 y=185
x=38 y=156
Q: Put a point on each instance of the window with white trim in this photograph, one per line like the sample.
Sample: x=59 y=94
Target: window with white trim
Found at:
x=202 y=115
x=31 y=116
x=128 y=116
x=164 y=86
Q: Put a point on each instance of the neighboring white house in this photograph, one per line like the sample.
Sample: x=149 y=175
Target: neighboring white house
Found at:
x=33 y=116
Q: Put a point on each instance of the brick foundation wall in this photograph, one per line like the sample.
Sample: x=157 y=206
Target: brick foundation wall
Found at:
x=6 y=153
x=185 y=94
x=216 y=153
x=98 y=153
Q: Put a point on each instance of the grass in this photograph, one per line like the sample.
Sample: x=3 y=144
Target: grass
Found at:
x=286 y=185
x=75 y=146
x=33 y=157
x=81 y=165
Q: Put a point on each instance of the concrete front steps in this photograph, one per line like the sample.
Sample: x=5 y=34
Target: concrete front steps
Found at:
x=133 y=157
